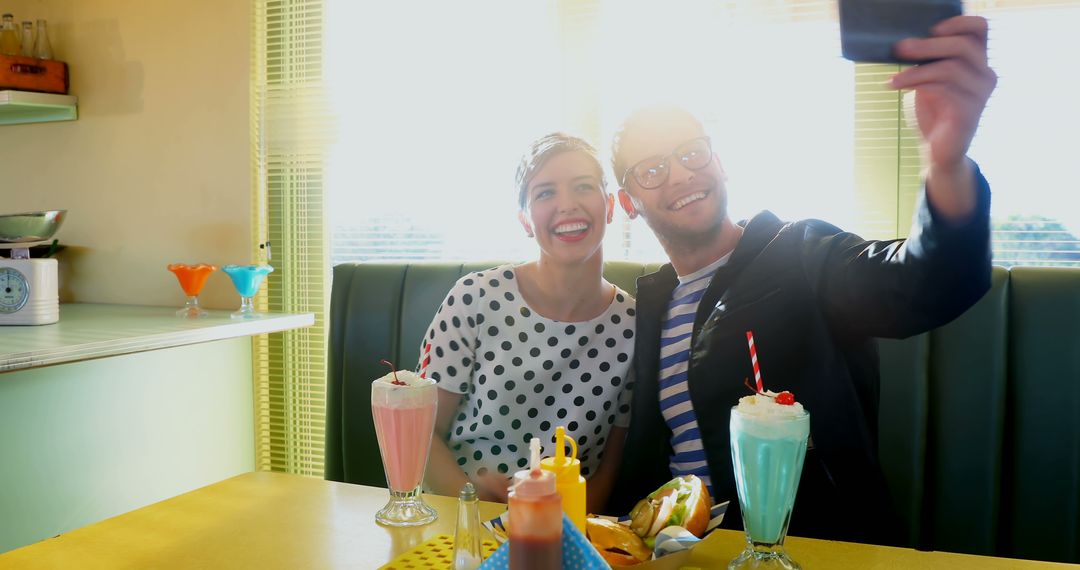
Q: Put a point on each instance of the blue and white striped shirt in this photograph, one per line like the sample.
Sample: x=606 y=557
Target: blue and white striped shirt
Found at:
x=689 y=453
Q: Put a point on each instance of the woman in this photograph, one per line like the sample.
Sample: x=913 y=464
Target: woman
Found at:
x=519 y=349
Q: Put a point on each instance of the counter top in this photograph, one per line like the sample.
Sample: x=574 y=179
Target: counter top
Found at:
x=87 y=331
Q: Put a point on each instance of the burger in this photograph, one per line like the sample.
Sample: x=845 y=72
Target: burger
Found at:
x=617 y=544
x=683 y=501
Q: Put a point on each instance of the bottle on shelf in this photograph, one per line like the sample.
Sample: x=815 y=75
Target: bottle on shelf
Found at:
x=42 y=45
x=28 y=38
x=9 y=36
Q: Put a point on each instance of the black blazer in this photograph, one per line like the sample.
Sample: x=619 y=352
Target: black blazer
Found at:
x=815 y=298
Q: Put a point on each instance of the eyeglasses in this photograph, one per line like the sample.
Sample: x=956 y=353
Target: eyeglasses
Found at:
x=652 y=172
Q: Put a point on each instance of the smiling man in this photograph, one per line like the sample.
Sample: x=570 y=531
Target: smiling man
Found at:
x=814 y=296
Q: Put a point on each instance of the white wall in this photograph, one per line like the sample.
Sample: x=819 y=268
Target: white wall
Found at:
x=157 y=167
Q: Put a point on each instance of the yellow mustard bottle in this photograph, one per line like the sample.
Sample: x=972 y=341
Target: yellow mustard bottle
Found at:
x=568 y=480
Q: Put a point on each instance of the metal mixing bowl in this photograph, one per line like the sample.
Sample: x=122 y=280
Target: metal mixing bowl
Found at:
x=30 y=226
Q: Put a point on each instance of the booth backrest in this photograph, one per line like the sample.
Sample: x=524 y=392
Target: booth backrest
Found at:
x=979 y=421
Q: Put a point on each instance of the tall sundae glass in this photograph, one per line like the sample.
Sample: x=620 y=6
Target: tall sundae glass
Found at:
x=192 y=278
x=403 y=406
x=247 y=279
x=768 y=446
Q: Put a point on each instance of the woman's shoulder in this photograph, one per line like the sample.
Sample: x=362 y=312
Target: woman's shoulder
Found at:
x=621 y=311
x=623 y=301
x=622 y=297
x=474 y=281
x=504 y=272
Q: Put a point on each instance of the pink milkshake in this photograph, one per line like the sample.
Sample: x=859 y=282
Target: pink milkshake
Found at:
x=403 y=406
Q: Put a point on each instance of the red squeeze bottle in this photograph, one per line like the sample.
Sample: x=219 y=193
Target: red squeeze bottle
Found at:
x=535 y=518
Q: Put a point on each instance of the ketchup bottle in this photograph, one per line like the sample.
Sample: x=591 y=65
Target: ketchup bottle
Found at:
x=535 y=518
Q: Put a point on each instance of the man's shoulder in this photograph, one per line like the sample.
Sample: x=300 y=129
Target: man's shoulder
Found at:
x=665 y=274
x=810 y=228
x=655 y=288
x=767 y=234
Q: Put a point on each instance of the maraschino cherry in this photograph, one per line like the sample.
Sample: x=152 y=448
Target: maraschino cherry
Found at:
x=396 y=382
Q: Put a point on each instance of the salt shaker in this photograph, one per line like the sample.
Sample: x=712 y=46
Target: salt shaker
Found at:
x=467 y=554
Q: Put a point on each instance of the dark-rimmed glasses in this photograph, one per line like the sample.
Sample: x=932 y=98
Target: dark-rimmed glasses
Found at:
x=652 y=172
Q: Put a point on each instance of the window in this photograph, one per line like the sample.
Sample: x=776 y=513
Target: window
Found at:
x=435 y=111
x=1027 y=141
x=395 y=129
x=432 y=126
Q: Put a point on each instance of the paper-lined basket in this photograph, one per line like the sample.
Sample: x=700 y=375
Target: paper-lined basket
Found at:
x=672 y=544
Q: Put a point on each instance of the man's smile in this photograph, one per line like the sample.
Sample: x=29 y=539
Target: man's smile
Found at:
x=687 y=200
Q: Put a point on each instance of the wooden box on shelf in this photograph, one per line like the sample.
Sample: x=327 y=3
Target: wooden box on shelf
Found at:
x=31 y=74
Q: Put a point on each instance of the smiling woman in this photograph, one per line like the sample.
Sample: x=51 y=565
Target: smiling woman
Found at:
x=520 y=349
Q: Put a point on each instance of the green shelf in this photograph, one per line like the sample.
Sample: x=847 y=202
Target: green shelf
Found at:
x=19 y=107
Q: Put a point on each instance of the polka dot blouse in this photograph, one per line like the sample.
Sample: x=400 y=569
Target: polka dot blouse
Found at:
x=522 y=374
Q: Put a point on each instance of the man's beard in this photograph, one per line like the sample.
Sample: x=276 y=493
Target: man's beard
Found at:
x=676 y=239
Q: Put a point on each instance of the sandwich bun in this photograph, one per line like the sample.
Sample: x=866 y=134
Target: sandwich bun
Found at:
x=617 y=544
x=683 y=501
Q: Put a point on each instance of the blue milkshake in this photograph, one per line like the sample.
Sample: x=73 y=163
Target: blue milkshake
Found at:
x=768 y=446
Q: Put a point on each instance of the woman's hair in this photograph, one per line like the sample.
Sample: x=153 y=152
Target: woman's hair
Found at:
x=543 y=149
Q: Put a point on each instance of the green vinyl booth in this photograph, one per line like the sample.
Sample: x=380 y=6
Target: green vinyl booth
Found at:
x=979 y=419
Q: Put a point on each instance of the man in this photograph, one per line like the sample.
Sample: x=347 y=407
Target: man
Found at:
x=815 y=298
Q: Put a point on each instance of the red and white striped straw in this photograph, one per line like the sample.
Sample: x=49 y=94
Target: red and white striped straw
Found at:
x=753 y=360
x=427 y=360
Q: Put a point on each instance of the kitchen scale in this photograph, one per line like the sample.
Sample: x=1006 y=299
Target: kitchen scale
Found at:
x=29 y=287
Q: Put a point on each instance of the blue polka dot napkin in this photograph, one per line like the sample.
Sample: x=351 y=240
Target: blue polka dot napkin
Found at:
x=577 y=553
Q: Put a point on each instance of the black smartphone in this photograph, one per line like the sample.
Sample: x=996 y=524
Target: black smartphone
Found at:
x=870 y=28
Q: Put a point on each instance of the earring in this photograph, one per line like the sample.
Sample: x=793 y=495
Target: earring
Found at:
x=627 y=204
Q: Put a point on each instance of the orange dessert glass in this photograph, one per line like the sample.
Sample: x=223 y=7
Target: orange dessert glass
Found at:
x=192 y=278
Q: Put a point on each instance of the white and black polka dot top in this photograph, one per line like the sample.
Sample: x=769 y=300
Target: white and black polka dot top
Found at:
x=522 y=374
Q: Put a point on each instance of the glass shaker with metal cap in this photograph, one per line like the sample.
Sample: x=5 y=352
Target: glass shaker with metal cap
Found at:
x=467 y=553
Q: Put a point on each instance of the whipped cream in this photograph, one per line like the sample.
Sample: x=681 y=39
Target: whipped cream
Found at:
x=409 y=377
x=765 y=406
x=415 y=393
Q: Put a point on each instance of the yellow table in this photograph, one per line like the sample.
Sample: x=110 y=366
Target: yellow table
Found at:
x=270 y=520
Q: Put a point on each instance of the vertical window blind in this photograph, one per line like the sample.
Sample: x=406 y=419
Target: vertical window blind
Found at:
x=291 y=128
x=886 y=156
